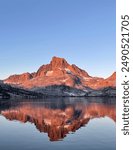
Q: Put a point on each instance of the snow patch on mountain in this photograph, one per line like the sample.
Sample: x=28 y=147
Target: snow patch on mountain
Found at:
x=64 y=80
x=49 y=73
x=68 y=70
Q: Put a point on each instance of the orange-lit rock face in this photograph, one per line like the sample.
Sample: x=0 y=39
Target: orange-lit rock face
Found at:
x=101 y=83
x=59 y=121
x=59 y=72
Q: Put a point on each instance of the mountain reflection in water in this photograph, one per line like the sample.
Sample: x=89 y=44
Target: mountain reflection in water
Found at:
x=59 y=116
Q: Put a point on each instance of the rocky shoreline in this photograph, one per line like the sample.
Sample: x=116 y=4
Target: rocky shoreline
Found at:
x=9 y=92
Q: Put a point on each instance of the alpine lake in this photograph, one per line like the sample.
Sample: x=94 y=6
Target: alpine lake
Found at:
x=58 y=123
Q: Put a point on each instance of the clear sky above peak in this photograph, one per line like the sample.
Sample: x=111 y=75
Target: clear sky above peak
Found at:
x=33 y=31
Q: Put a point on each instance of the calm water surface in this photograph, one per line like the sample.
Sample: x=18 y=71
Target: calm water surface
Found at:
x=58 y=124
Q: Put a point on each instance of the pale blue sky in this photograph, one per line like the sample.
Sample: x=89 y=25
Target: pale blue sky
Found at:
x=32 y=31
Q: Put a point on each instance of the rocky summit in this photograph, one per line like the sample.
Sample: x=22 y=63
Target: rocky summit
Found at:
x=59 y=74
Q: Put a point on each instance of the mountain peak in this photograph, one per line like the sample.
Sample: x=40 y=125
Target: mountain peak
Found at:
x=54 y=58
x=58 y=62
x=60 y=72
x=113 y=76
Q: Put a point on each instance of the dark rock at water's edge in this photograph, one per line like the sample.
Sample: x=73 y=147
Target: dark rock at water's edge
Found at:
x=63 y=90
x=8 y=92
x=4 y=95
